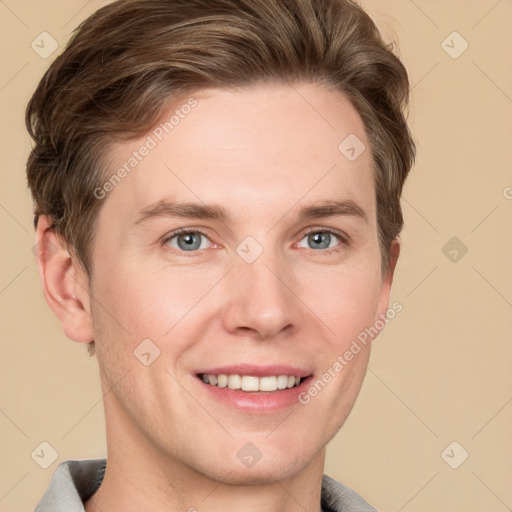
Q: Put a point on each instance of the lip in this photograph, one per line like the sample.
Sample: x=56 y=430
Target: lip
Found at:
x=257 y=371
x=258 y=403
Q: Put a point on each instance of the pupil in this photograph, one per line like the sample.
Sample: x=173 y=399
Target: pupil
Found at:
x=190 y=241
x=321 y=239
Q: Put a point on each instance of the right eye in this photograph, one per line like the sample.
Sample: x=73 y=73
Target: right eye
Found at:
x=187 y=240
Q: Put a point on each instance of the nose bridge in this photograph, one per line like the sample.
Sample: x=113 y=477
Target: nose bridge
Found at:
x=260 y=296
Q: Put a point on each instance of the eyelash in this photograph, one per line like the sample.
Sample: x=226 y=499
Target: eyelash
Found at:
x=343 y=239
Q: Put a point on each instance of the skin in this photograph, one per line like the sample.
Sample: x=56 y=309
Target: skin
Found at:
x=262 y=153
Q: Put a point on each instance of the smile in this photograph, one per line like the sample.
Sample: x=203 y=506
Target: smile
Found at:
x=251 y=383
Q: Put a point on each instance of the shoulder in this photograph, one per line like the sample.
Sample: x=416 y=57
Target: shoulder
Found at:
x=338 y=498
x=73 y=482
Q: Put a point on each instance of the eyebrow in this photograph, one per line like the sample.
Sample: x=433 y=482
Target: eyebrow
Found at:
x=165 y=208
x=333 y=209
x=190 y=210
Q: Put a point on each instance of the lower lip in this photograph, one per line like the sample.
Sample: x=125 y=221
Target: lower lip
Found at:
x=258 y=402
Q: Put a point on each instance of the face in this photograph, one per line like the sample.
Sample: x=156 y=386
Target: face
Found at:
x=241 y=245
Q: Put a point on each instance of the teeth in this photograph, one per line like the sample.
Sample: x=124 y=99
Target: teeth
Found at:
x=251 y=383
x=269 y=383
x=234 y=382
x=282 y=382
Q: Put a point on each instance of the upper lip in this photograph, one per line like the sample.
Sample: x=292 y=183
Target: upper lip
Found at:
x=257 y=371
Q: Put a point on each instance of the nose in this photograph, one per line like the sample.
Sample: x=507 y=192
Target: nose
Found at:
x=260 y=302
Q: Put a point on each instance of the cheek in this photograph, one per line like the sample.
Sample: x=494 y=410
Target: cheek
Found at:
x=139 y=300
x=345 y=301
x=160 y=302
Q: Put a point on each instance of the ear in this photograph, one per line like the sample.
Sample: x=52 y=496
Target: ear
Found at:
x=65 y=283
x=387 y=279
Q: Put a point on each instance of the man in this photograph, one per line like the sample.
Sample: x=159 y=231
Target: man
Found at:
x=216 y=190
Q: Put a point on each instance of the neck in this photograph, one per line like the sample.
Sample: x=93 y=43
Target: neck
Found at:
x=140 y=477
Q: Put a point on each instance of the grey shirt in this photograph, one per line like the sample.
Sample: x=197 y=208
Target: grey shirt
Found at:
x=75 y=481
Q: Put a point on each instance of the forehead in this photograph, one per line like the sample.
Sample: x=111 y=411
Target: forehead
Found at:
x=254 y=148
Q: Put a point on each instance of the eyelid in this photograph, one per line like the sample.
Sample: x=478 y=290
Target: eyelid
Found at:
x=179 y=231
x=344 y=238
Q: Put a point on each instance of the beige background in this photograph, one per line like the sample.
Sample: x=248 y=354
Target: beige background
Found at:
x=441 y=371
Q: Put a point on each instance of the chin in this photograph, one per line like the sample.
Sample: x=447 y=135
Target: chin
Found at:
x=268 y=469
x=256 y=475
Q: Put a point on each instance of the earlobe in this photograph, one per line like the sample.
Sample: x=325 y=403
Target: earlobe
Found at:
x=65 y=284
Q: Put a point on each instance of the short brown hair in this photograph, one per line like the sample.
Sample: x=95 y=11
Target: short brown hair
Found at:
x=126 y=62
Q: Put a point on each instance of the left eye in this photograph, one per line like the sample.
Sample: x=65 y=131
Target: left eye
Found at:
x=321 y=240
x=188 y=241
